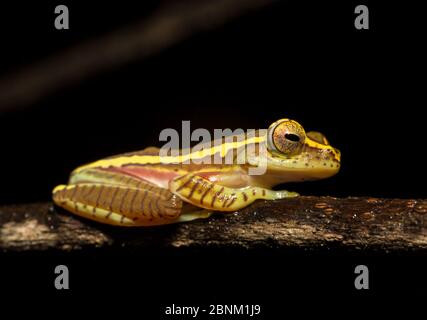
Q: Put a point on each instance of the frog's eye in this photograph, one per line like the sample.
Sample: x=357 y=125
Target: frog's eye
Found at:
x=286 y=136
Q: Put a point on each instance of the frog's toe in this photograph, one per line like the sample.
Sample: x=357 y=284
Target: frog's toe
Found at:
x=286 y=194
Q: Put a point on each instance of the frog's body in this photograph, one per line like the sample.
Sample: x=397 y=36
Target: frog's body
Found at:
x=143 y=188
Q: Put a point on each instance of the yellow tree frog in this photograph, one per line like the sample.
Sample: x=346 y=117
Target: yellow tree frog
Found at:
x=145 y=188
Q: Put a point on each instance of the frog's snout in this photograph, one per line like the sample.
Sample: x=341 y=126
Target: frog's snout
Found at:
x=337 y=154
x=331 y=154
x=330 y=163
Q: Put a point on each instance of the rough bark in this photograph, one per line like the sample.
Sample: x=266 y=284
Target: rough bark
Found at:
x=303 y=222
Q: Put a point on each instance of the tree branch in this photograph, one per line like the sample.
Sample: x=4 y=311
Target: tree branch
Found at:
x=303 y=222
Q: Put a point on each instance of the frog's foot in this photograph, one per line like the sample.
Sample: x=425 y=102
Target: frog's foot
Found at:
x=204 y=193
x=198 y=214
x=281 y=194
x=144 y=205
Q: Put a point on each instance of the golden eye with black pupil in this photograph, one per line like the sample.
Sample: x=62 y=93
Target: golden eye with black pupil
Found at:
x=292 y=137
x=286 y=137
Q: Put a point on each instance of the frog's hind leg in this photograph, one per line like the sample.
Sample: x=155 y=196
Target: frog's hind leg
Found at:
x=144 y=205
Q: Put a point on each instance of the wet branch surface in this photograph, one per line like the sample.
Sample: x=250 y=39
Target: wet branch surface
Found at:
x=302 y=223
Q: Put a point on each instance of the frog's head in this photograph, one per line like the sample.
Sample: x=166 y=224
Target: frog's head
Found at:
x=294 y=155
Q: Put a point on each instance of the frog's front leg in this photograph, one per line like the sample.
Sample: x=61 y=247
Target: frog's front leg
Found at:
x=143 y=204
x=202 y=192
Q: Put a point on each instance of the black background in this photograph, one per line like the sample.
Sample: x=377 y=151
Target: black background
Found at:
x=365 y=89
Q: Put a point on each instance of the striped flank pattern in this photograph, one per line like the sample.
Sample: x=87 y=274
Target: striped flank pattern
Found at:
x=147 y=205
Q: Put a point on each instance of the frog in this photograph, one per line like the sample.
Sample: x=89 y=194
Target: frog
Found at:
x=151 y=188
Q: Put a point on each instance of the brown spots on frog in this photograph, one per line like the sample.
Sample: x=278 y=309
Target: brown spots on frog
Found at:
x=196 y=184
x=231 y=202
x=206 y=192
x=217 y=195
x=182 y=186
x=245 y=197
x=336 y=161
x=232 y=198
